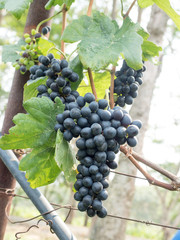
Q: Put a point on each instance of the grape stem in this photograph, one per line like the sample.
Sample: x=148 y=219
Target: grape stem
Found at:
x=92 y=83
x=112 y=87
x=64 y=18
x=64 y=55
x=128 y=11
x=47 y=19
x=90 y=8
x=134 y=157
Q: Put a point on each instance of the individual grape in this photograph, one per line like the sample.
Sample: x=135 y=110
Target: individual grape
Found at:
x=110 y=156
x=44 y=30
x=104 y=169
x=100 y=157
x=89 y=97
x=42 y=88
x=91 y=212
x=83 y=191
x=23 y=69
x=104 y=115
x=87 y=200
x=105 y=124
x=81 y=143
x=66 y=72
x=81 y=207
x=67 y=135
x=137 y=123
x=103 y=195
x=97 y=187
x=50 y=55
x=87 y=181
x=86 y=133
x=121 y=132
x=93 y=106
x=93 y=169
x=73 y=77
x=99 y=140
x=56 y=67
x=105 y=183
x=86 y=112
x=82 y=122
x=69 y=123
x=102 y=103
x=78 y=184
x=59 y=126
x=109 y=132
x=97 y=204
x=88 y=161
x=112 y=165
x=94 y=118
x=80 y=101
x=63 y=64
x=96 y=129
x=66 y=90
x=102 y=213
x=76 y=131
x=45 y=60
x=77 y=196
x=75 y=113
x=126 y=120
x=90 y=143
x=132 y=130
x=132 y=141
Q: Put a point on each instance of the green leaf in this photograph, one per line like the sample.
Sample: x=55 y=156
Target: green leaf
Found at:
x=166 y=7
x=35 y=128
x=102 y=42
x=64 y=156
x=2 y=4
x=150 y=50
x=10 y=52
x=30 y=88
x=52 y=3
x=40 y=166
x=77 y=67
x=17 y=8
x=44 y=46
x=101 y=81
x=145 y=3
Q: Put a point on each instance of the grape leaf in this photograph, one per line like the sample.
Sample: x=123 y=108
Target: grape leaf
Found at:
x=10 y=52
x=30 y=88
x=35 y=128
x=101 y=80
x=166 y=7
x=45 y=45
x=101 y=42
x=52 y=3
x=150 y=50
x=145 y=3
x=40 y=166
x=64 y=156
x=17 y=8
x=77 y=67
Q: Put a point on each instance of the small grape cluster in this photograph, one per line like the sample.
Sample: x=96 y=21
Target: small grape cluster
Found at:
x=59 y=79
x=101 y=133
x=30 y=52
x=126 y=84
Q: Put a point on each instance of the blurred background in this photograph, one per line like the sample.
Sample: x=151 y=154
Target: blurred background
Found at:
x=159 y=141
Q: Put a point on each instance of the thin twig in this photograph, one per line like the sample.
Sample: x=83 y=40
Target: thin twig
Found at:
x=172 y=187
x=127 y=175
x=64 y=15
x=128 y=11
x=90 y=8
x=156 y=168
x=112 y=87
x=92 y=83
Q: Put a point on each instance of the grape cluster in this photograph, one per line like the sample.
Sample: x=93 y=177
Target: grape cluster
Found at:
x=30 y=52
x=101 y=133
x=126 y=84
x=59 y=79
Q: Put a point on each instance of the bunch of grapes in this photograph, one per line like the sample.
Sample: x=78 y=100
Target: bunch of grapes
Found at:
x=101 y=132
x=59 y=79
x=30 y=52
x=126 y=84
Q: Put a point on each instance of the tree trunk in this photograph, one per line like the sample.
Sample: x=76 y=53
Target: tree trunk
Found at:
x=36 y=14
x=122 y=188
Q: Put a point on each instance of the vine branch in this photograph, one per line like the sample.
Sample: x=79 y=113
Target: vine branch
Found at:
x=173 y=186
x=64 y=16
x=112 y=87
x=90 y=8
x=130 y=8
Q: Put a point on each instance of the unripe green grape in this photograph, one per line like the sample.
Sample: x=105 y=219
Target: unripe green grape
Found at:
x=17 y=67
x=27 y=46
x=23 y=47
x=31 y=63
x=33 y=31
x=26 y=35
x=49 y=91
x=15 y=64
x=26 y=61
x=21 y=60
x=28 y=40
